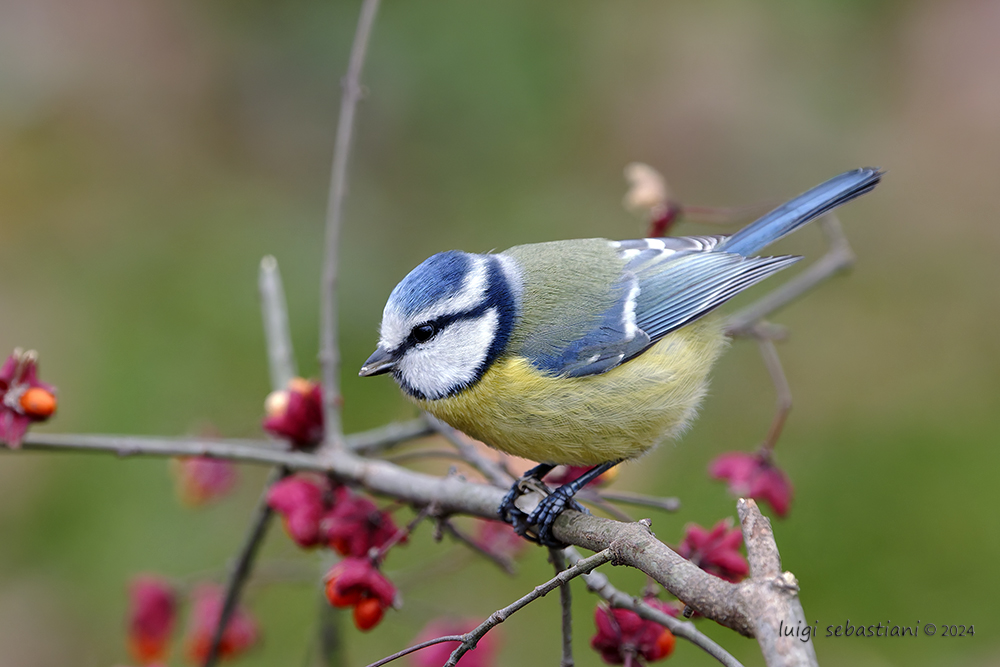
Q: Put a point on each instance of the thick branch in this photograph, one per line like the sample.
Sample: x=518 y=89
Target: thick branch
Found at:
x=772 y=596
x=635 y=545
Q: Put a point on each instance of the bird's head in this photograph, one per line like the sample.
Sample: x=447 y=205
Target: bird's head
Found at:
x=445 y=323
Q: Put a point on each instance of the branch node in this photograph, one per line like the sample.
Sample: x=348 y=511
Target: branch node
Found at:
x=786 y=582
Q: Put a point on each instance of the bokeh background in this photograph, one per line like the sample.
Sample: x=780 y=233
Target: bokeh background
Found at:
x=152 y=151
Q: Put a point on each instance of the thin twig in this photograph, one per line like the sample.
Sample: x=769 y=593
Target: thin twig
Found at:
x=783 y=392
x=471 y=638
x=243 y=564
x=598 y=583
x=425 y=454
x=504 y=563
x=378 y=555
x=838 y=258
x=595 y=500
x=566 y=602
x=330 y=352
x=380 y=439
x=416 y=647
x=490 y=469
x=666 y=504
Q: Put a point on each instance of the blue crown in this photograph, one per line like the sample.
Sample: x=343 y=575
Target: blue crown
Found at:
x=439 y=277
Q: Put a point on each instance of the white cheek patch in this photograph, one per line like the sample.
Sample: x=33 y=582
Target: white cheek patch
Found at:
x=450 y=360
x=396 y=326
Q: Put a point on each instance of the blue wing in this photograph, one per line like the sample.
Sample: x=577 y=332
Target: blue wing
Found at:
x=665 y=284
x=807 y=206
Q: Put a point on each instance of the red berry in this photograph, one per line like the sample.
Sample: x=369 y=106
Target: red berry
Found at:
x=664 y=645
x=339 y=599
x=368 y=613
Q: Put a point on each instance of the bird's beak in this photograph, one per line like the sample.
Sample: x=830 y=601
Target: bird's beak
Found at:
x=380 y=362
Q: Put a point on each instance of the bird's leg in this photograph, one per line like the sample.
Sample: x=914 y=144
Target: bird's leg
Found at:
x=508 y=511
x=543 y=516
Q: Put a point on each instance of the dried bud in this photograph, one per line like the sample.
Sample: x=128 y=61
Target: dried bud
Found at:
x=301 y=501
x=296 y=413
x=23 y=397
x=716 y=551
x=754 y=476
x=647 y=189
x=623 y=637
x=199 y=480
x=355 y=525
x=240 y=634
x=151 y=615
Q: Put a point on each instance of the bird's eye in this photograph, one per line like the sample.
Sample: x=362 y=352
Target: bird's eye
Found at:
x=423 y=332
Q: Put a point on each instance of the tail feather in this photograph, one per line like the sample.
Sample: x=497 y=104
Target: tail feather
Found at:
x=809 y=205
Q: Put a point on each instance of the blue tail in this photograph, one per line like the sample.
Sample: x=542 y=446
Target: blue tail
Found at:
x=809 y=205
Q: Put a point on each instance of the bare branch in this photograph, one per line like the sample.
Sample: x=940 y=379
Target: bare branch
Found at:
x=243 y=565
x=773 y=595
x=470 y=638
x=665 y=504
x=416 y=647
x=233 y=449
x=380 y=439
x=490 y=469
x=566 y=603
x=729 y=604
x=330 y=351
x=504 y=563
x=783 y=398
x=377 y=555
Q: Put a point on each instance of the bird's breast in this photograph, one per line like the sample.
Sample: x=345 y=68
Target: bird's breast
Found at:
x=592 y=419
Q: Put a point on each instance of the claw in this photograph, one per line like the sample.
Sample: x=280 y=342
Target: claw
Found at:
x=544 y=514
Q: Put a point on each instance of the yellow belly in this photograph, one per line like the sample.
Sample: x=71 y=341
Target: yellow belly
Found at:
x=593 y=419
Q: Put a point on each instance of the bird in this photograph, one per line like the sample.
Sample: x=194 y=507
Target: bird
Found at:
x=583 y=352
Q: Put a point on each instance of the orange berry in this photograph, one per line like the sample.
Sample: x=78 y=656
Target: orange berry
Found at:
x=145 y=650
x=368 y=613
x=336 y=599
x=300 y=385
x=665 y=644
x=38 y=403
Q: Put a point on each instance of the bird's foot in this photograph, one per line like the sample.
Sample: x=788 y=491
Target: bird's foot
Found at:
x=530 y=503
x=545 y=514
x=516 y=510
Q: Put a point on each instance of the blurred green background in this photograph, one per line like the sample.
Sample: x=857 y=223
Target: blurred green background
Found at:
x=151 y=152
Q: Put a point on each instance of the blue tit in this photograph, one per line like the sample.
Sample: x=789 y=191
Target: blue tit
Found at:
x=584 y=352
